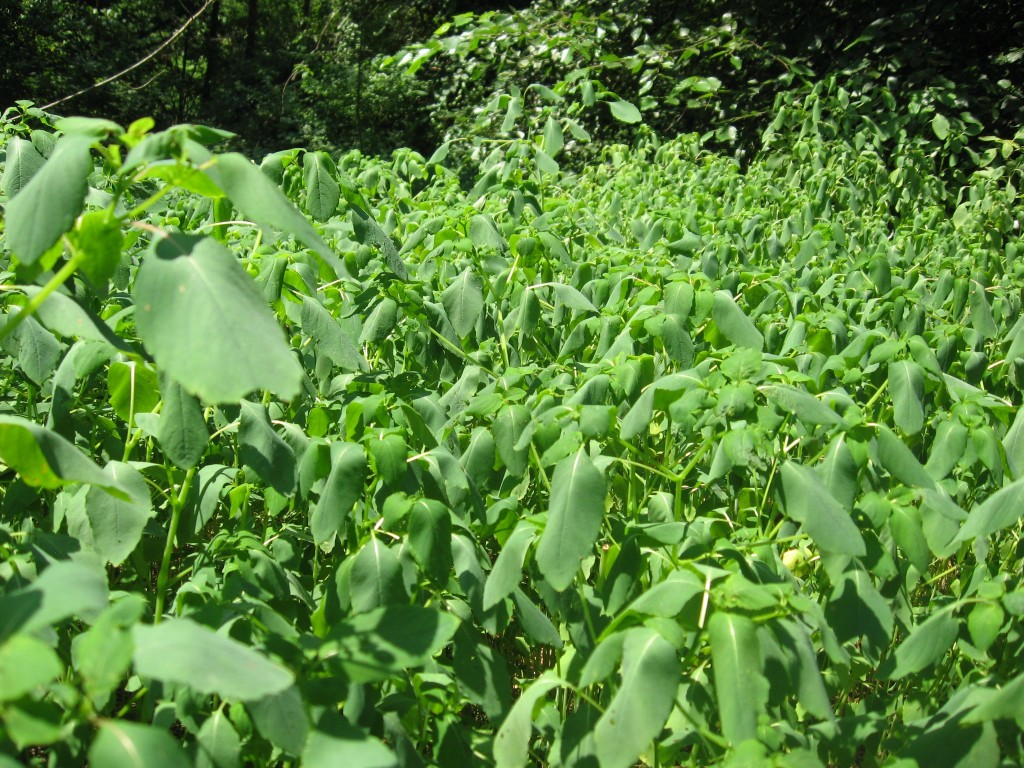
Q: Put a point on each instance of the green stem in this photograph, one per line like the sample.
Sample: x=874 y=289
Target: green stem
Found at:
x=177 y=504
x=36 y=301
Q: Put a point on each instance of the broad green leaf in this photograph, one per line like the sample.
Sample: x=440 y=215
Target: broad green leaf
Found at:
x=484 y=234
x=430 y=538
x=133 y=388
x=102 y=655
x=926 y=644
x=948 y=448
x=219 y=743
x=23 y=161
x=43 y=458
x=804 y=406
x=805 y=671
x=553 y=138
x=63 y=590
x=124 y=744
x=940 y=126
x=117 y=524
x=182 y=431
x=368 y=232
x=641 y=705
x=1000 y=510
x=98 y=238
x=677 y=342
x=390 y=456
x=376 y=578
x=536 y=625
x=512 y=741
x=463 y=300
x=26 y=664
x=733 y=323
x=572 y=298
x=322 y=191
x=206 y=324
x=736 y=667
x=508 y=566
x=263 y=452
x=856 y=610
x=1013 y=445
x=38 y=351
x=334 y=742
x=344 y=487
x=984 y=623
x=47 y=206
x=508 y=428
x=481 y=673
x=281 y=719
x=906 y=387
x=899 y=461
x=380 y=322
x=811 y=503
x=258 y=199
x=624 y=112
x=182 y=651
x=1006 y=703
x=575 y=512
x=329 y=336
x=66 y=317
x=387 y=642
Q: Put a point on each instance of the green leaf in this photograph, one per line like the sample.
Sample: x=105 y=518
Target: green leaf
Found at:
x=508 y=427
x=98 y=239
x=258 y=199
x=736 y=666
x=430 y=538
x=553 y=138
x=21 y=164
x=335 y=742
x=219 y=743
x=984 y=623
x=811 y=503
x=625 y=112
x=535 y=623
x=508 y=567
x=926 y=644
x=481 y=673
x=641 y=705
x=1005 y=704
x=512 y=741
x=47 y=206
x=856 y=610
x=133 y=388
x=26 y=664
x=124 y=744
x=575 y=512
x=102 y=655
x=263 y=451
x=182 y=431
x=387 y=642
x=390 y=456
x=329 y=336
x=1000 y=510
x=899 y=461
x=804 y=406
x=344 y=487
x=207 y=325
x=940 y=126
x=322 y=191
x=64 y=589
x=376 y=578
x=182 y=651
x=483 y=233
x=66 y=317
x=43 y=458
x=117 y=524
x=463 y=300
x=281 y=719
x=380 y=322
x=733 y=323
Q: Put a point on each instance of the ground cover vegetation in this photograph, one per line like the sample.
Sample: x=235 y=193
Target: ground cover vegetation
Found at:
x=641 y=419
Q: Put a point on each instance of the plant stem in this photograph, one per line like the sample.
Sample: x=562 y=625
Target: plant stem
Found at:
x=177 y=504
x=36 y=301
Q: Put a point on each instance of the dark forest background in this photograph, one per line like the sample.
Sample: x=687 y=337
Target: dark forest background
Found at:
x=330 y=74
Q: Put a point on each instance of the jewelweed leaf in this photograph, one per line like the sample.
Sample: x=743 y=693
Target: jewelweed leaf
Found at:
x=343 y=488
x=63 y=590
x=256 y=196
x=1000 y=510
x=182 y=651
x=641 y=705
x=376 y=578
x=322 y=190
x=512 y=742
x=23 y=161
x=44 y=459
x=263 y=451
x=281 y=719
x=182 y=431
x=624 y=112
x=329 y=336
x=430 y=538
x=207 y=325
x=124 y=744
x=736 y=665
x=117 y=524
x=926 y=644
x=733 y=323
x=811 y=503
x=48 y=204
x=575 y=512
x=219 y=743
x=25 y=665
x=906 y=387
x=508 y=566
x=334 y=742
x=463 y=301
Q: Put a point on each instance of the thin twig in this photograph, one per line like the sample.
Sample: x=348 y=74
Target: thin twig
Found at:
x=137 y=64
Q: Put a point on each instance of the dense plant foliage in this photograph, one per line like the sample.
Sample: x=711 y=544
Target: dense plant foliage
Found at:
x=576 y=443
